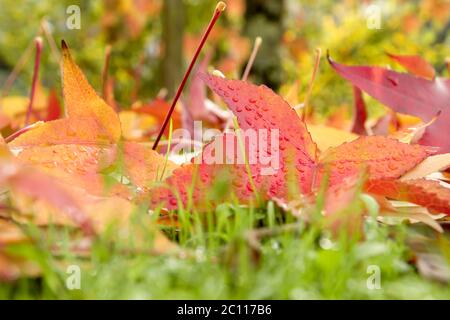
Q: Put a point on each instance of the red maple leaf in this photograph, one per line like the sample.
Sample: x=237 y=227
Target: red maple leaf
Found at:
x=407 y=94
x=300 y=169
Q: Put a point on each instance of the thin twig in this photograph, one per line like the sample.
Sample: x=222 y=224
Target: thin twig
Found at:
x=251 y=60
x=45 y=26
x=311 y=82
x=105 y=72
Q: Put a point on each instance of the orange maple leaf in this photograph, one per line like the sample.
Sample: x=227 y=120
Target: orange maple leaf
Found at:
x=80 y=146
x=384 y=157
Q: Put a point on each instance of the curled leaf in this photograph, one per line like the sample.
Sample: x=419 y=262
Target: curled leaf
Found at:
x=414 y=133
x=427 y=193
x=430 y=165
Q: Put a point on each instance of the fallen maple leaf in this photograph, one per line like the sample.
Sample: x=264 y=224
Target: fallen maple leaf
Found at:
x=32 y=183
x=256 y=108
x=382 y=157
x=74 y=163
x=81 y=101
x=78 y=147
x=90 y=120
x=38 y=186
x=259 y=108
x=405 y=94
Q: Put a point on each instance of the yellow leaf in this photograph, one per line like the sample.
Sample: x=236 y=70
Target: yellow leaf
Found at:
x=90 y=119
x=81 y=100
x=328 y=137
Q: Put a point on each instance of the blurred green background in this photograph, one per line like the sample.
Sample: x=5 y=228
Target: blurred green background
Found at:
x=153 y=40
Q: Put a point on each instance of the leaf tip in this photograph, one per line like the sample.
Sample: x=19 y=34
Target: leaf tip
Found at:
x=328 y=56
x=65 y=49
x=64 y=45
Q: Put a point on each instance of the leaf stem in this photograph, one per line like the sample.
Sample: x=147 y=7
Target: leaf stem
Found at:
x=219 y=9
x=46 y=30
x=22 y=131
x=251 y=60
x=311 y=82
x=105 y=72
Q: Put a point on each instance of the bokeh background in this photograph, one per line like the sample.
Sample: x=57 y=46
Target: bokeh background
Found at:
x=152 y=41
